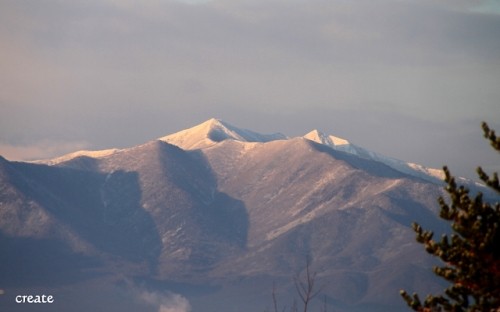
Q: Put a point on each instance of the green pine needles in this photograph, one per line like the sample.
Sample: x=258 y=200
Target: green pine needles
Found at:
x=472 y=253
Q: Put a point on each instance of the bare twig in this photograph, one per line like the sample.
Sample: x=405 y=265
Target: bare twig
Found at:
x=275 y=302
x=306 y=289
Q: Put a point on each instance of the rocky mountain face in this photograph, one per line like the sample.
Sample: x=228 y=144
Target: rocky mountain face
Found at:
x=213 y=215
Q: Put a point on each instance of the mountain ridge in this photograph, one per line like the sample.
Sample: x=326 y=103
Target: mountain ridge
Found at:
x=214 y=131
x=339 y=144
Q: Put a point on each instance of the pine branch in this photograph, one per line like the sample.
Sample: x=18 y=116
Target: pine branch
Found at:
x=471 y=253
x=491 y=136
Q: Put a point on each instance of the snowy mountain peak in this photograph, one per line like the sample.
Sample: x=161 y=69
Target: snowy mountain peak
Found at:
x=330 y=140
x=215 y=130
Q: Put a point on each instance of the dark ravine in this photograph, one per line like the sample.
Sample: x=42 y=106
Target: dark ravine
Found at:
x=216 y=221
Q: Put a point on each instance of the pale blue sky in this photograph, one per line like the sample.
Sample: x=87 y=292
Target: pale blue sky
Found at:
x=411 y=79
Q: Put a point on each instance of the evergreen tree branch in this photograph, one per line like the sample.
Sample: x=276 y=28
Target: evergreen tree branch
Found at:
x=471 y=253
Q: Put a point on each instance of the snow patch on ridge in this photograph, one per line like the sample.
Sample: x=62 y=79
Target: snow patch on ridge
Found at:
x=85 y=153
x=339 y=144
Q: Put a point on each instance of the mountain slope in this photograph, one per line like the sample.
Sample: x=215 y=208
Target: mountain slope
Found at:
x=349 y=215
x=179 y=194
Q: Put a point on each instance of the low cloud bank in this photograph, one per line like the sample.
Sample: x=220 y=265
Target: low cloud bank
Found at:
x=165 y=301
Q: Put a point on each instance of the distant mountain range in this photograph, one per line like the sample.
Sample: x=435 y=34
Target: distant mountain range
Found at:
x=215 y=215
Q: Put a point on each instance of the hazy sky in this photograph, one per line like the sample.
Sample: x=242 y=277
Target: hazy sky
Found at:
x=411 y=79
